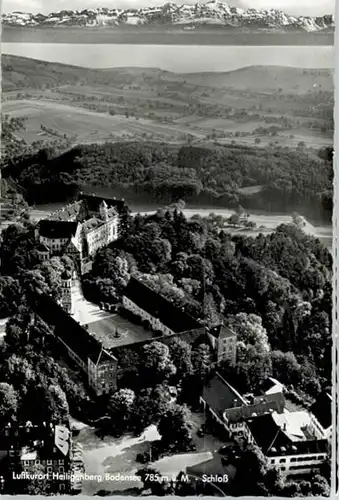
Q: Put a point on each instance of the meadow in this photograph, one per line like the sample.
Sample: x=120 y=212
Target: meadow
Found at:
x=254 y=105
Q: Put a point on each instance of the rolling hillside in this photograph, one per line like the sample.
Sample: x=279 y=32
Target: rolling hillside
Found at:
x=20 y=73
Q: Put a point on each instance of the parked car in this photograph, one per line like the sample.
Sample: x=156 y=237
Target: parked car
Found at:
x=200 y=432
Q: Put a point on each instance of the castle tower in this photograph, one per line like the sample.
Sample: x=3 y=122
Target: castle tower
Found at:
x=66 y=291
x=103 y=211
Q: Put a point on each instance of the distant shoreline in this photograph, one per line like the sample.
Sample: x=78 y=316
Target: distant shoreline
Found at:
x=155 y=36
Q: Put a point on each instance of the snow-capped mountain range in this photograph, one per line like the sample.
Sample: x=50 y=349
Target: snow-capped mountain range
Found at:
x=187 y=16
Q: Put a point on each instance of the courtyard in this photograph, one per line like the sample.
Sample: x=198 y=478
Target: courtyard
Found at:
x=110 y=328
x=114 y=331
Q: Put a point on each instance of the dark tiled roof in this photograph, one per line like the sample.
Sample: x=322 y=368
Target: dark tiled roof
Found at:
x=245 y=412
x=66 y=275
x=158 y=306
x=322 y=410
x=193 y=337
x=42 y=248
x=267 y=384
x=276 y=398
x=68 y=212
x=77 y=338
x=93 y=202
x=221 y=332
x=57 y=229
x=267 y=434
x=90 y=224
x=270 y=438
x=219 y=395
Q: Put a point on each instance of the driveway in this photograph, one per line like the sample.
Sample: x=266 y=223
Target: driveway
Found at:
x=84 y=311
x=207 y=443
x=112 y=456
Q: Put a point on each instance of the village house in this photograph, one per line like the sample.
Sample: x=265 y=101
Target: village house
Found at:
x=44 y=448
x=294 y=441
x=226 y=406
x=290 y=441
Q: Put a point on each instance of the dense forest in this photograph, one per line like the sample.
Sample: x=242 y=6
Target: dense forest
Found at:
x=283 y=180
x=274 y=291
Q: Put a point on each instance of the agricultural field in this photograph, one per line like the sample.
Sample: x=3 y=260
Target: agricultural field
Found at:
x=85 y=126
x=253 y=105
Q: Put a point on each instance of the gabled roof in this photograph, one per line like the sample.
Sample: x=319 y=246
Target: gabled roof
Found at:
x=322 y=410
x=105 y=357
x=221 y=332
x=267 y=434
x=67 y=213
x=66 y=275
x=159 y=307
x=219 y=395
x=275 y=397
x=270 y=384
x=93 y=202
x=42 y=248
x=245 y=412
x=67 y=329
x=57 y=229
x=275 y=442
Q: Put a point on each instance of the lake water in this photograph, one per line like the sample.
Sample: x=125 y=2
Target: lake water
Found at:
x=177 y=58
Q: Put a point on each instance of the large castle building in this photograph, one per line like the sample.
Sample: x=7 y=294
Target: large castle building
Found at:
x=80 y=229
x=98 y=353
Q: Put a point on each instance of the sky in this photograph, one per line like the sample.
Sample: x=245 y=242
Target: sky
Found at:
x=294 y=7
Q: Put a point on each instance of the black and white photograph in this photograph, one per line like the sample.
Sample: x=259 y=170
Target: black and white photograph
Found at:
x=166 y=248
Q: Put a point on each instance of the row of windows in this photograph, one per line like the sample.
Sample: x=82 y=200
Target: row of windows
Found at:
x=306 y=458
x=154 y=321
x=61 y=470
x=43 y=462
x=296 y=467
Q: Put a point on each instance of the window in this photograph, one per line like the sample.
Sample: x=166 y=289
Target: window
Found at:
x=61 y=470
x=37 y=462
x=11 y=453
x=49 y=462
x=283 y=468
x=61 y=462
x=293 y=459
x=282 y=460
x=49 y=469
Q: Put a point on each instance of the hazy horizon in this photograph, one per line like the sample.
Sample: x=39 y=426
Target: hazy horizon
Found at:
x=193 y=59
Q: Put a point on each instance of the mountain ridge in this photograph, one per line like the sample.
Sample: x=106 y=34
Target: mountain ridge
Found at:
x=187 y=17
